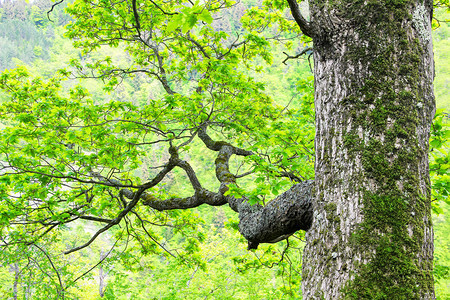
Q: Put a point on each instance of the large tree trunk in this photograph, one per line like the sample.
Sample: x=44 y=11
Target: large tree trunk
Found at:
x=371 y=236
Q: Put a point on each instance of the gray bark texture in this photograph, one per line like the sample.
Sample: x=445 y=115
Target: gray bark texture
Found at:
x=371 y=236
x=280 y=218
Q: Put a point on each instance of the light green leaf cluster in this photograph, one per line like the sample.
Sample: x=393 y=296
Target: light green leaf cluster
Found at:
x=62 y=142
x=188 y=17
x=283 y=151
x=440 y=160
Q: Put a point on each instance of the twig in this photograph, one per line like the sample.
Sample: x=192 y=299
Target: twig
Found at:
x=306 y=50
x=51 y=9
x=54 y=268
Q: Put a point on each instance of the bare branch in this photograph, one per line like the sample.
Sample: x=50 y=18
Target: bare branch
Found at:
x=51 y=9
x=150 y=236
x=291 y=176
x=244 y=174
x=96 y=219
x=200 y=47
x=111 y=224
x=61 y=292
x=136 y=16
x=217 y=145
x=163 y=11
x=93 y=267
x=306 y=50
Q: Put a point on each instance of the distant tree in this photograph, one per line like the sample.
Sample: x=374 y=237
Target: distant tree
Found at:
x=14 y=9
x=369 y=235
x=22 y=40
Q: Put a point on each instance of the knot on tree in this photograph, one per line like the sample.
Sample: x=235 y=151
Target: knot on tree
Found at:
x=289 y=212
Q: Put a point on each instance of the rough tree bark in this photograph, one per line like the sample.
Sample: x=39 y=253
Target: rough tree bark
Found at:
x=371 y=236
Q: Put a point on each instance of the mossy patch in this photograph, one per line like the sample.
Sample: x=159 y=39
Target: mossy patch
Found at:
x=384 y=113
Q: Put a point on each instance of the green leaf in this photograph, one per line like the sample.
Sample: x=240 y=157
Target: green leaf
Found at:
x=174 y=23
x=189 y=22
x=435 y=143
x=205 y=16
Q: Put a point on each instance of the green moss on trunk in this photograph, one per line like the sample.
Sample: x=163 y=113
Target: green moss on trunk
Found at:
x=385 y=109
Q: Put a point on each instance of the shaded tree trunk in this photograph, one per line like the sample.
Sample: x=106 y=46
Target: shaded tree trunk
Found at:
x=371 y=236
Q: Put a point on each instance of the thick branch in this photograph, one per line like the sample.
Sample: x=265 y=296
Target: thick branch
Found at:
x=226 y=150
x=199 y=198
x=281 y=217
x=201 y=195
x=191 y=175
x=217 y=145
x=304 y=25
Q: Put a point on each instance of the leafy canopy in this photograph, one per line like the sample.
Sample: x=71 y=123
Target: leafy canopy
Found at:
x=67 y=155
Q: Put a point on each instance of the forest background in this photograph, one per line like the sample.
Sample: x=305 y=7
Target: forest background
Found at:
x=214 y=263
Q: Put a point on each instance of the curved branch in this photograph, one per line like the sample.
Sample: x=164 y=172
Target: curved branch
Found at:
x=304 y=25
x=281 y=217
x=201 y=195
x=51 y=9
x=191 y=175
x=217 y=145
